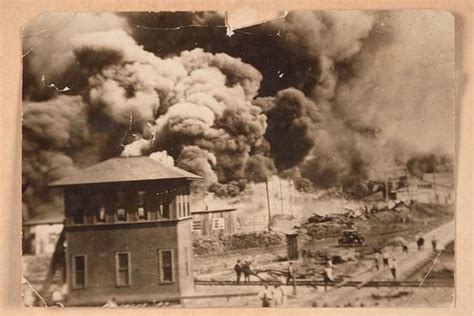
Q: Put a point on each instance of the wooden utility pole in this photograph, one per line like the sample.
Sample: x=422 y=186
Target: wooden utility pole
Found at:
x=281 y=196
x=268 y=205
x=290 y=197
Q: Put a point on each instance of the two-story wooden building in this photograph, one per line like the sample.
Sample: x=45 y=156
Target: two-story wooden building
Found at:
x=128 y=232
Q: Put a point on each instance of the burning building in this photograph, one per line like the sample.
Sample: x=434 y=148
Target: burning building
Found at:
x=128 y=231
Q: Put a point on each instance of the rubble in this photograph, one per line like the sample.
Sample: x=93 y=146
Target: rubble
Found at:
x=320 y=227
x=222 y=244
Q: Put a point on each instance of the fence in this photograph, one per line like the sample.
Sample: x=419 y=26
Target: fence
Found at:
x=253 y=224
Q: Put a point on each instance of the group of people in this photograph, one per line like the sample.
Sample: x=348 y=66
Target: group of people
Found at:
x=275 y=297
x=420 y=242
x=391 y=263
x=243 y=268
x=387 y=262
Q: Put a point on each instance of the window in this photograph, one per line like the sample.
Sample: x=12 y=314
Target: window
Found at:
x=178 y=202
x=53 y=238
x=218 y=223
x=121 y=214
x=186 y=205
x=141 y=205
x=79 y=271
x=164 y=204
x=122 y=269
x=79 y=216
x=196 y=225
x=166 y=266
x=424 y=186
x=101 y=215
x=165 y=209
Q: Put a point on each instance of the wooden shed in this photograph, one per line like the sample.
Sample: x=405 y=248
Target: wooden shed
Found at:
x=212 y=222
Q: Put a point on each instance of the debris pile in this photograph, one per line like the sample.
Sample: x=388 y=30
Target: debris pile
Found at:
x=320 y=227
x=222 y=244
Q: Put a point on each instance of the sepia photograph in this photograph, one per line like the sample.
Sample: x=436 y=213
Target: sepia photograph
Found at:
x=169 y=161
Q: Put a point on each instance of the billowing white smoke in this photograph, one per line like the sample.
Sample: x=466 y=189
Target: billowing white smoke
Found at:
x=196 y=99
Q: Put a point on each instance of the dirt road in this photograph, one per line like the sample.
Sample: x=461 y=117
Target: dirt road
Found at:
x=407 y=265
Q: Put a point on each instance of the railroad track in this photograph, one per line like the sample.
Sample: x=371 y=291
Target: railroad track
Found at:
x=349 y=283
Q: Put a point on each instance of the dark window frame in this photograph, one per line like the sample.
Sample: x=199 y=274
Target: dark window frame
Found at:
x=161 y=266
x=75 y=284
x=194 y=225
x=119 y=269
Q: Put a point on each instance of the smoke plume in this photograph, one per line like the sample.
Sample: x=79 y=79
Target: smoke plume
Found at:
x=311 y=96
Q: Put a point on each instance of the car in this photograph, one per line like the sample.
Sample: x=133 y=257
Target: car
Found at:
x=351 y=237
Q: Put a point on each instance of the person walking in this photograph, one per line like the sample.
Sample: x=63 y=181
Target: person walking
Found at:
x=404 y=247
x=393 y=268
x=265 y=296
x=290 y=273
x=420 y=241
x=238 y=270
x=377 y=260
x=327 y=276
x=434 y=243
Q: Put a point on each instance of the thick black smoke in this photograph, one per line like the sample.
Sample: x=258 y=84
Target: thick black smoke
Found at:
x=430 y=163
x=291 y=131
x=291 y=96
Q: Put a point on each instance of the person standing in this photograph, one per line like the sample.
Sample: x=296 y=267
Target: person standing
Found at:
x=238 y=270
x=265 y=296
x=420 y=241
x=404 y=247
x=385 y=258
x=246 y=271
x=393 y=268
x=277 y=296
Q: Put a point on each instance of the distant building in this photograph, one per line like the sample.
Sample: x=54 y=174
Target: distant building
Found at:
x=128 y=232
x=40 y=236
x=220 y=221
x=437 y=188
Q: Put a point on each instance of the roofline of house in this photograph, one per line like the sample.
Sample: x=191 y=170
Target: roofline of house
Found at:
x=54 y=185
x=214 y=211
x=43 y=222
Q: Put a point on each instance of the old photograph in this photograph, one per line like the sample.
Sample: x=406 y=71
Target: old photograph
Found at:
x=169 y=161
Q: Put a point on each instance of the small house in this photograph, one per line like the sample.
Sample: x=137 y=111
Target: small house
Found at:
x=436 y=188
x=39 y=236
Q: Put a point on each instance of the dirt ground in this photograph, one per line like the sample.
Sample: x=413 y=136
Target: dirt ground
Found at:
x=380 y=230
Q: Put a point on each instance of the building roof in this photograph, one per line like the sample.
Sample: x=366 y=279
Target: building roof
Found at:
x=217 y=210
x=124 y=169
x=44 y=221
